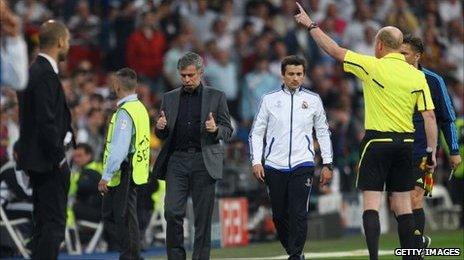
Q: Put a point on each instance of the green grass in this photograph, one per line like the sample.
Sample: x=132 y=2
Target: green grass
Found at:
x=440 y=239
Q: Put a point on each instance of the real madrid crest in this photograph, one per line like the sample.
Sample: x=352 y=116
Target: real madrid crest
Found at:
x=304 y=105
x=279 y=104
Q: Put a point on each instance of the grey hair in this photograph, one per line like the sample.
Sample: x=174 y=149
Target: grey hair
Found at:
x=190 y=58
x=127 y=78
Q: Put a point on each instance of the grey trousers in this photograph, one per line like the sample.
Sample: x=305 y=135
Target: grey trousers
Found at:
x=187 y=175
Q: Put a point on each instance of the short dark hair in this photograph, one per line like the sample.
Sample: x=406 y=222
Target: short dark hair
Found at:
x=50 y=32
x=86 y=147
x=292 y=60
x=128 y=78
x=415 y=42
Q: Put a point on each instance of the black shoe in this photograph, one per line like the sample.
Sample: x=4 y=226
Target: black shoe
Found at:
x=296 y=257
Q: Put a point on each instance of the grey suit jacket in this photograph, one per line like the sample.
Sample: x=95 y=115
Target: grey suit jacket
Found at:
x=212 y=100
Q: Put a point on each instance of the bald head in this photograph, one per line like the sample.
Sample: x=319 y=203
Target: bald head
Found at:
x=50 y=34
x=391 y=37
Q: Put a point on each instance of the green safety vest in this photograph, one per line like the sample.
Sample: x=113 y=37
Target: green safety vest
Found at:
x=141 y=156
x=73 y=185
x=75 y=176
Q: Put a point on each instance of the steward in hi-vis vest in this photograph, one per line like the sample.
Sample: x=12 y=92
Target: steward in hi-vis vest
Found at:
x=125 y=165
x=140 y=156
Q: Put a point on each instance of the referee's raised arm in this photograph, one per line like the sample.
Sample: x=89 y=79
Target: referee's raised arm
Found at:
x=322 y=39
x=392 y=90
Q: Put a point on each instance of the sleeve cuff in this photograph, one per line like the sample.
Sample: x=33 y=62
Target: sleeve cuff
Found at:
x=107 y=177
x=327 y=160
x=454 y=152
x=255 y=162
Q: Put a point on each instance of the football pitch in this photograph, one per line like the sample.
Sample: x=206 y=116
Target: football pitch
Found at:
x=348 y=247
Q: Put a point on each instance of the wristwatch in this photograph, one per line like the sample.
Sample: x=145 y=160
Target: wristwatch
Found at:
x=328 y=165
x=312 y=26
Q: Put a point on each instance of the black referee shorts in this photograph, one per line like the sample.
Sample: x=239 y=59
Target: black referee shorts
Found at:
x=386 y=162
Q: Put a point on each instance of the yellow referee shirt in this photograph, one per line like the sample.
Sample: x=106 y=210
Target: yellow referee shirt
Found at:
x=392 y=88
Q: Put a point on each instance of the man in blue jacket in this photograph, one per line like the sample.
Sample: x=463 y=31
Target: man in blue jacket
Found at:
x=412 y=48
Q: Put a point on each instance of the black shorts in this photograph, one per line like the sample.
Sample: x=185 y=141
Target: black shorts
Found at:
x=386 y=162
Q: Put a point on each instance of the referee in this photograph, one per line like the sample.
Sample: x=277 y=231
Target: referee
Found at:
x=392 y=89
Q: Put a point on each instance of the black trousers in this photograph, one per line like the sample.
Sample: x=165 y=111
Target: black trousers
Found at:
x=289 y=194
x=119 y=213
x=187 y=174
x=49 y=196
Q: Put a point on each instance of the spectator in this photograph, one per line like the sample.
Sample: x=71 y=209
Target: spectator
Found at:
x=202 y=20
x=380 y=9
x=339 y=24
x=93 y=133
x=280 y=52
x=450 y=10
x=224 y=39
x=232 y=21
x=84 y=184
x=262 y=49
x=14 y=59
x=32 y=12
x=169 y=20
x=402 y=17
x=221 y=73
x=355 y=30
x=346 y=136
x=84 y=26
x=145 y=51
x=431 y=7
x=282 y=20
x=434 y=53
x=256 y=83
x=178 y=49
x=366 y=46
x=455 y=50
x=241 y=48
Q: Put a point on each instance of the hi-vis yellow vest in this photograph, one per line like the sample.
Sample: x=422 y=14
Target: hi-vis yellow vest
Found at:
x=141 y=156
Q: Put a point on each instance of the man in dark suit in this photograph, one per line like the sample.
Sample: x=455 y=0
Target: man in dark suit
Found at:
x=194 y=118
x=45 y=127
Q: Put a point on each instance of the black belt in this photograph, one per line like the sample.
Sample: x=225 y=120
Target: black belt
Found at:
x=190 y=150
x=373 y=134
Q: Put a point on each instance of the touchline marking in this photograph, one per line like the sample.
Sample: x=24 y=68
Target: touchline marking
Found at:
x=358 y=252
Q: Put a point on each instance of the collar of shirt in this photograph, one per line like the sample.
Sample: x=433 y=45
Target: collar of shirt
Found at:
x=196 y=91
x=288 y=91
x=126 y=98
x=52 y=62
x=395 y=55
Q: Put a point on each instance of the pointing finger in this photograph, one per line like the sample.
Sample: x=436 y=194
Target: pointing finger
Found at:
x=162 y=113
x=300 y=8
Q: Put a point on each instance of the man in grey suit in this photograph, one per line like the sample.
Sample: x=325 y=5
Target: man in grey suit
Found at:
x=193 y=119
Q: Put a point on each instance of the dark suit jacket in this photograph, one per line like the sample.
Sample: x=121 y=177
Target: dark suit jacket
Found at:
x=212 y=100
x=44 y=119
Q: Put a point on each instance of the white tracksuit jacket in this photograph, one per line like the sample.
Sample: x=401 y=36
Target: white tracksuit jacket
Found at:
x=286 y=121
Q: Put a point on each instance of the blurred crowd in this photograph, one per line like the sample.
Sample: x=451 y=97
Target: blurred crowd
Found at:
x=242 y=43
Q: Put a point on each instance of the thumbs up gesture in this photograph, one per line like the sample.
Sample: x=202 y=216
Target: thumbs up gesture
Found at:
x=210 y=124
x=162 y=122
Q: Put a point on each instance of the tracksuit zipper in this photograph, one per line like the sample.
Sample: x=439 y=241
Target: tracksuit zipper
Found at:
x=291 y=129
